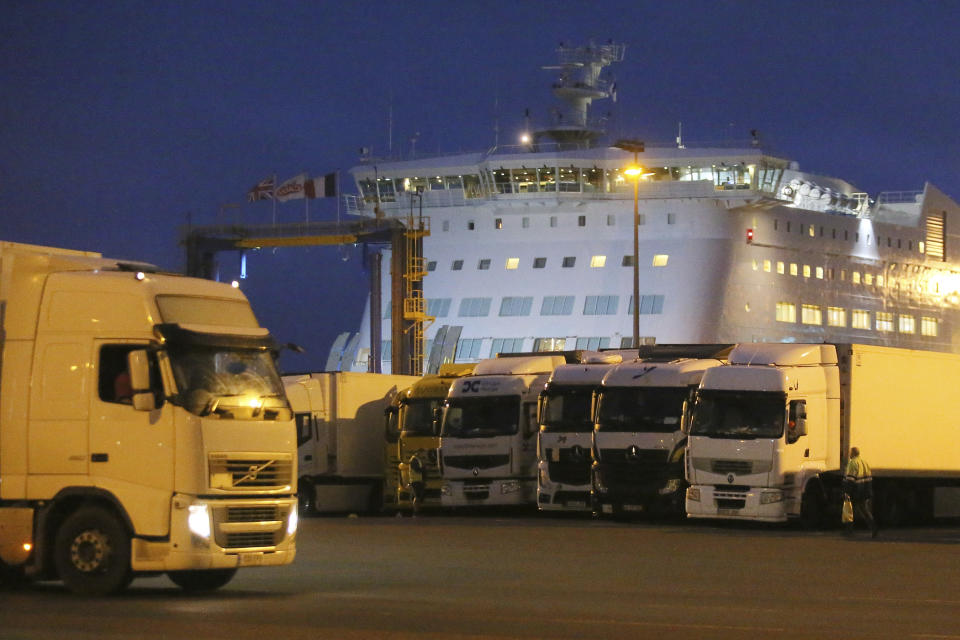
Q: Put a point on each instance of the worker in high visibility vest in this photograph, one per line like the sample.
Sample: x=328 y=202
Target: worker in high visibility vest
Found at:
x=858 y=487
x=417 y=484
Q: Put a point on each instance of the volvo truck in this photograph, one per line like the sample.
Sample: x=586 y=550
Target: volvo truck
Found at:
x=340 y=438
x=416 y=413
x=488 y=444
x=143 y=426
x=565 y=415
x=770 y=432
x=638 y=443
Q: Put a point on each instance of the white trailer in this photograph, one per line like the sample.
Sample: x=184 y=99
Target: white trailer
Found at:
x=565 y=415
x=770 y=432
x=341 y=437
x=143 y=425
x=638 y=442
x=488 y=432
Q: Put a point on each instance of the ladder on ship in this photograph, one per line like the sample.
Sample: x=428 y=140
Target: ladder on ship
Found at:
x=414 y=304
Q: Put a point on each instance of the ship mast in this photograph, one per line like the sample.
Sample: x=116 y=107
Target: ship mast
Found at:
x=579 y=84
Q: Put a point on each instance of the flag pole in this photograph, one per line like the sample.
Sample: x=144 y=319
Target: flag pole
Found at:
x=274 y=199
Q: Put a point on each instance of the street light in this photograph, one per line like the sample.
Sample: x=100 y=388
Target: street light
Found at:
x=635 y=171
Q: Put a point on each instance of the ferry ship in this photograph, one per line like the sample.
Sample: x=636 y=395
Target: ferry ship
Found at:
x=531 y=247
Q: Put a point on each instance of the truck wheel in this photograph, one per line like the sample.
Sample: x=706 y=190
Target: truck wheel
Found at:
x=306 y=499
x=92 y=552
x=812 y=509
x=201 y=580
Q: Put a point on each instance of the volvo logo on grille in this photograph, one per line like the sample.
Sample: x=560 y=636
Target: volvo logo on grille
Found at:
x=633 y=453
x=730 y=478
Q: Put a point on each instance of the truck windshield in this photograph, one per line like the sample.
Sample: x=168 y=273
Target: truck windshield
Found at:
x=417 y=416
x=646 y=409
x=483 y=417
x=228 y=382
x=738 y=414
x=568 y=410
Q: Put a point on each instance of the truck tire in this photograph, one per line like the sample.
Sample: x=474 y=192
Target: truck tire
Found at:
x=92 y=552
x=306 y=499
x=812 y=509
x=201 y=580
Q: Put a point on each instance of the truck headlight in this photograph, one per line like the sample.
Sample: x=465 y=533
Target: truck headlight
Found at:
x=510 y=486
x=293 y=521
x=198 y=520
x=671 y=486
x=693 y=494
x=769 y=497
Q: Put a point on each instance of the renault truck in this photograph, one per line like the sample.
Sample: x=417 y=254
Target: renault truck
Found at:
x=638 y=440
x=770 y=432
x=565 y=414
x=143 y=426
x=488 y=444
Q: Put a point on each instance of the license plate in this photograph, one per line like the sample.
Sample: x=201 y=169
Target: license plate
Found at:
x=633 y=507
x=607 y=508
x=252 y=559
x=576 y=503
x=728 y=512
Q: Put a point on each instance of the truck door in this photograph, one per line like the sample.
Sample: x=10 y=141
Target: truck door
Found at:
x=131 y=452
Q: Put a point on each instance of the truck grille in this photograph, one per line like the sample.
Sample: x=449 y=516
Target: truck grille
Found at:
x=252 y=525
x=476 y=462
x=570 y=472
x=476 y=490
x=739 y=467
x=622 y=470
x=240 y=473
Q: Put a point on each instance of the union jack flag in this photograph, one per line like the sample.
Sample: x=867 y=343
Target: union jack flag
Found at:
x=263 y=190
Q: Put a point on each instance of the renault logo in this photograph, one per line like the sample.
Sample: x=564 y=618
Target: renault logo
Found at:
x=633 y=453
x=476 y=471
x=730 y=478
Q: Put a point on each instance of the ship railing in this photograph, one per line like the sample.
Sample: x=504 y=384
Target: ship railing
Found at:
x=899 y=197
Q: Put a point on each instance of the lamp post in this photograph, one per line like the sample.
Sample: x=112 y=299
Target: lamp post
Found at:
x=635 y=147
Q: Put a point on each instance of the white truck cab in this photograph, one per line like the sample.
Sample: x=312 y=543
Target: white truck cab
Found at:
x=566 y=433
x=488 y=432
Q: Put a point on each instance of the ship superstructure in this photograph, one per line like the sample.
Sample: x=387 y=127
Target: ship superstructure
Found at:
x=531 y=246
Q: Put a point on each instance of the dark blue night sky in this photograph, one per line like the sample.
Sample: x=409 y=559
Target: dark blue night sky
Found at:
x=118 y=121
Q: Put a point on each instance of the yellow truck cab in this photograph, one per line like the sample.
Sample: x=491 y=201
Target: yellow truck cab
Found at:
x=143 y=426
x=418 y=430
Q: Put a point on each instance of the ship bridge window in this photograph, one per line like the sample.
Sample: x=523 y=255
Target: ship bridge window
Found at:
x=929 y=326
x=547 y=178
x=556 y=306
x=600 y=305
x=516 y=306
x=524 y=180
x=506 y=345
x=593 y=344
x=471 y=186
x=412 y=184
x=454 y=182
x=569 y=179
x=474 y=307
x=730 y=177
x=627 y=342
x=593 y=180
x=436 y=183
x=501 y=181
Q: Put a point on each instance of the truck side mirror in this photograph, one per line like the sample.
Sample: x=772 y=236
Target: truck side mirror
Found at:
x=138 y=364
x=540 y=401
x=797 y=422
x=683 y=416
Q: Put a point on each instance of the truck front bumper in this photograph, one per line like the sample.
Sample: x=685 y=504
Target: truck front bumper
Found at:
x=756 y=503
x=488 y=492
x=222 y=534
